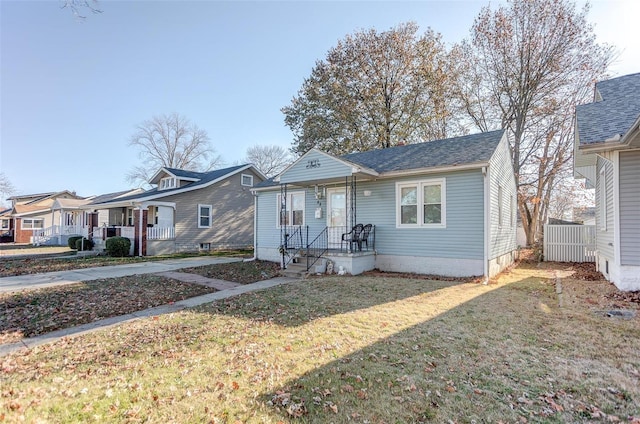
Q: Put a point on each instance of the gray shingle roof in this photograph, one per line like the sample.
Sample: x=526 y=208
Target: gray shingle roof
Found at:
x=615 y=114
x=431 y=154
x=107 y=197
x=462 y=150
x=204 y=178
x=186 y=174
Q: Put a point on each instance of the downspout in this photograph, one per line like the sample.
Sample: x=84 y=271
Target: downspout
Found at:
x=255 y=229
x=487 y=220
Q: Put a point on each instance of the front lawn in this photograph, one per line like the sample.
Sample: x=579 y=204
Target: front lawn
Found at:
x=238 y=272
x=349 y=349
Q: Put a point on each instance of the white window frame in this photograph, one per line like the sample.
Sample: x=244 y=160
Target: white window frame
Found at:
x=420 y=184
x=32 y=221
x=290 y=196
x=603 y=199
x=250 y=177
x=5 y=224
x=199 y=211
x=205 y=246
x=512 y=211
x=167 y=183
x=130 y=218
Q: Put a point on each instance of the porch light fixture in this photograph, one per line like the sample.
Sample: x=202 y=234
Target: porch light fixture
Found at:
x=367 y=193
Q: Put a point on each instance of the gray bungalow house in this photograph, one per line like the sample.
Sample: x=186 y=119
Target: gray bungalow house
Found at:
x=445 y=207
x=607 y=155
x=185 y=211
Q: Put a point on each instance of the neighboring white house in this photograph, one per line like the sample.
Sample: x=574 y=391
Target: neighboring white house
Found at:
x=445 y=207
x=607 y=155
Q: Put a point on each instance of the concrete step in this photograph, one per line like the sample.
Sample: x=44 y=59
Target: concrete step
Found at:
x=295 y=270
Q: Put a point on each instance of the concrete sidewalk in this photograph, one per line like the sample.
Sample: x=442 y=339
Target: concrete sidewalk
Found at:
x=151 y=312
x=50 y=279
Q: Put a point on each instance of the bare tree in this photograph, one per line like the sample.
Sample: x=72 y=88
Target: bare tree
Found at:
x=373 y=90
x=78 y=6
x=269 y=160
x=6 y=187
x=171 y=141
x=526 y=67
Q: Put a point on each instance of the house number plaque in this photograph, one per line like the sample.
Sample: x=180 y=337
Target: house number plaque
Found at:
x=313 y=163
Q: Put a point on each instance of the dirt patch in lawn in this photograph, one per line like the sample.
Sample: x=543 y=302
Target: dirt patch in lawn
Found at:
x=238 y=272
x=35 y=312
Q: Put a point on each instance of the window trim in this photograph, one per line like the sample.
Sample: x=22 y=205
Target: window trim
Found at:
x=199 y=215
x=420 y=184
x=290 y=211
x=500 y=213
x=23 y=220
x=243 y=176
x=167 y=182
x=3 y=222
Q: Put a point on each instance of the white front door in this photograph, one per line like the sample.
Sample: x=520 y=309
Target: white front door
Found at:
x=165 y=216
x=336 y=215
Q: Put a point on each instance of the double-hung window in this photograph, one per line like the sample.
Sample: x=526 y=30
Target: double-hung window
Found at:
x=168 y=182
x=293 y=212
x=421 y=204
x=204 y=216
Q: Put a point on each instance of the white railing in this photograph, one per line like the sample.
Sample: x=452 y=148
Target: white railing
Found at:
x=161 y=233
x=128 y=232
x=570 y=243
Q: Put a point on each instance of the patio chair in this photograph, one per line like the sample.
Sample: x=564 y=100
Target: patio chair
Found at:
x=364 y=237
x=352 y=236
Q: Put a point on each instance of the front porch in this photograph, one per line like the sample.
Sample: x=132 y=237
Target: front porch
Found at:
x=348 y=251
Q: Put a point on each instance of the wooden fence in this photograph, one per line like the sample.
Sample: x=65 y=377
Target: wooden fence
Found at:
x=570 y=243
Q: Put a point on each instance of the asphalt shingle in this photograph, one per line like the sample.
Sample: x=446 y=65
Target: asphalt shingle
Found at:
x=614 y=114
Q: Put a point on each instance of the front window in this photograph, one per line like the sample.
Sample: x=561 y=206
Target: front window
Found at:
x=204 y=216
x=429 y=195
x=4 y=224
x=130 y=217
x=32 y=224
x=293 y=214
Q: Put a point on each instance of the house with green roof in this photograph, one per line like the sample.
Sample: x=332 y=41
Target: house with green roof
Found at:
x=607 y=156
x=184 y=211
x=444 y=207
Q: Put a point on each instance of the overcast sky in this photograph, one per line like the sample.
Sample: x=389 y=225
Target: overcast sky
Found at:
x=72 y=91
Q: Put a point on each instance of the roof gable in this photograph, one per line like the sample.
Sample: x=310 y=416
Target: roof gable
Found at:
x=613 y=113
x=207 y=179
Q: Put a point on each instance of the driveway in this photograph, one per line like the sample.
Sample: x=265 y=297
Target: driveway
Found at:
x=50 y=279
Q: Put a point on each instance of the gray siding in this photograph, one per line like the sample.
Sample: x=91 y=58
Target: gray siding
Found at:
x=502 y=236
x=604 y=236
x=232 y=224
x=462 y=237
x=329 y=167
x=630 y=208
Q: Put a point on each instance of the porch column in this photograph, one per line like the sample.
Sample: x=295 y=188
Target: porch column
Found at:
x=59 y=227
x=140 y=218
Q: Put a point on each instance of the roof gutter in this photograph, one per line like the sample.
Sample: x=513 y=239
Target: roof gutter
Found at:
x=435 y=170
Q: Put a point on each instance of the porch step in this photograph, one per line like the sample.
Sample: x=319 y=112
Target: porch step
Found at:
x=295 y=270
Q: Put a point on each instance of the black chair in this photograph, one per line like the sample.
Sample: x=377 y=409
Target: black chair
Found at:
x=364 y=237
x=352 y=236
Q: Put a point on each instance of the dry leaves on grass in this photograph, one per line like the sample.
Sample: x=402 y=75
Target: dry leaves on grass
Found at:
x=12 y=267
x=238 y=272
x=31 y=313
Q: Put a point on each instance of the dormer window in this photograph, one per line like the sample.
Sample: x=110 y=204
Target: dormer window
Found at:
x=167 y=183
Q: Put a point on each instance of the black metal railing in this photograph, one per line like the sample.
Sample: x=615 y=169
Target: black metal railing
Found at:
x=318 y=247
x=294 y=241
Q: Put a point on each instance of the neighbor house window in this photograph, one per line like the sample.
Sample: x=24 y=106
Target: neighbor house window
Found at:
x=204 y=216
x=168 y=182
x=130 y=217
x=512 y=212
x=602 y=183
x=421 y=203
x=205 y=246
x=247 y=180
x=293 y=214
x=32 y=224
x=4 y=224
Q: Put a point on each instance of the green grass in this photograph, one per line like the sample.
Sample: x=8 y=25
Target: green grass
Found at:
x=343 y=350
